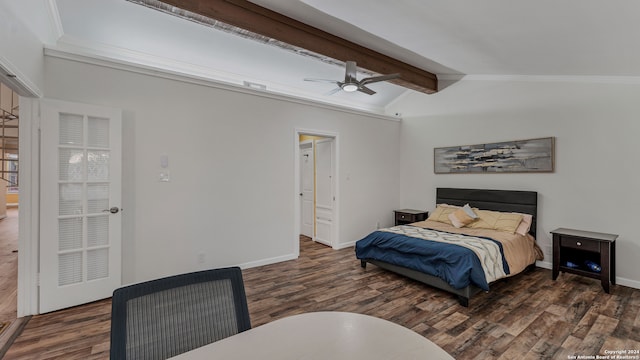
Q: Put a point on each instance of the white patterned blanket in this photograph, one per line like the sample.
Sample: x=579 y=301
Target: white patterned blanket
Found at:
x=488 y=251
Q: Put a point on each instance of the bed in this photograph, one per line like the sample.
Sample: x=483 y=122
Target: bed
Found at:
x=461 y=260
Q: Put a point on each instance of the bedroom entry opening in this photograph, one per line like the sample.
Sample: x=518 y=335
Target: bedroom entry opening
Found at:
x=316 y=175
x=9 y=219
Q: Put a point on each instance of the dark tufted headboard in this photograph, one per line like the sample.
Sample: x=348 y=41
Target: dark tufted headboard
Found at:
x=498 y=200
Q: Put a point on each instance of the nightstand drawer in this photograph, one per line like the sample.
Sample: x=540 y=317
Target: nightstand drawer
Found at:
x=408 y=216
x=580 y=243
x=404 y=217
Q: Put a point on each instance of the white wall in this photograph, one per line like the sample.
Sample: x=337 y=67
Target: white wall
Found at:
x=231 y=161
x=20 y=52
x=596 y=126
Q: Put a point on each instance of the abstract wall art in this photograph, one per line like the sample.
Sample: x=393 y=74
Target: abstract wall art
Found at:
x=532 y=155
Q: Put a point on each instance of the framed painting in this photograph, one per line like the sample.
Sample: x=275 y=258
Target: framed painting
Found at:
x=532 y=155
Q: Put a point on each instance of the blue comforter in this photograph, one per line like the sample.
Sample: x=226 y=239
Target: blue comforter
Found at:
x=456 y=265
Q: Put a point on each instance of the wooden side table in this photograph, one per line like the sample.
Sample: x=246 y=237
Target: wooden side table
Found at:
x=408 y=216
x=572 y=248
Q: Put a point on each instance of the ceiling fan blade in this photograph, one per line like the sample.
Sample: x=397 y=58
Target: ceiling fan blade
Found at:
x=374 y=79
x=365 y=90
x=351 y=81
x=350 y=72
x=322 y=80
x=333 y=91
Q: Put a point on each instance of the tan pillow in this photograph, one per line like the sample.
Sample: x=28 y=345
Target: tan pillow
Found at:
x=460 y=218
x=494 y=220
x=525 y=224
x=441 y=213
x=450 y=206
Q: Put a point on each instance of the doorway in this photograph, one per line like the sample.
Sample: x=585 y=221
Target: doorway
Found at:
x=25 y=105
x=9 y=121
x=307 y=187
x=316 y=174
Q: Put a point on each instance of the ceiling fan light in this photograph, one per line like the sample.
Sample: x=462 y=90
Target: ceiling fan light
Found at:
x=349 y=87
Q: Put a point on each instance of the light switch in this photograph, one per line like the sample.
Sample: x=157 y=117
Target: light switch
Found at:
x=164 y=161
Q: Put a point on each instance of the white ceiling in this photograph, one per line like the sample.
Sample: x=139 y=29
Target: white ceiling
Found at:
x=504 y=37
x=488 y=37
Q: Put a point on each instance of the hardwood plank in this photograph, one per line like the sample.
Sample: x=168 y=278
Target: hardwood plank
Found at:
x=9 y=265
x=527 y=317
x=599 y=332
x=9 y=278
x=614 y=343
x=496 y=346
x=472 y=340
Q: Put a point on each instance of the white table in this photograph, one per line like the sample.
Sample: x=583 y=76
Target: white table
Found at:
x=322 y=336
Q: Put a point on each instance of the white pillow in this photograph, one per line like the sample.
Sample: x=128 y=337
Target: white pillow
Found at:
x=469 y=211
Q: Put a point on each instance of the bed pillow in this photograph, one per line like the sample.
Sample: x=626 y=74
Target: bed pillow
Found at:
x=525 y=224
x=462 y=216
x=441 y=213
x=469 y=211
x=450 y=206
x=495 y=220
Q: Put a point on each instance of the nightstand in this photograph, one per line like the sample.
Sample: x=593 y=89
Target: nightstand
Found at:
x=572 y=248
x=408 y=216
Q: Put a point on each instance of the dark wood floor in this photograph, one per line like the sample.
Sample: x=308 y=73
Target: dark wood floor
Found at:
x=525 y=317
x=9 y=265
x=9 y=279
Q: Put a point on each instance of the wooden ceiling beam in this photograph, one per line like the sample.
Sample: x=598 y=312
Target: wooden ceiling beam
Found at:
x=262 y=21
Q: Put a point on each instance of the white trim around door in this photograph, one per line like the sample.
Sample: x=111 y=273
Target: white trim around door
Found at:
x=296 y=194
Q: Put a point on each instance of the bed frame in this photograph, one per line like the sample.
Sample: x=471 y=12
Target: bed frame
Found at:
x=498 y=200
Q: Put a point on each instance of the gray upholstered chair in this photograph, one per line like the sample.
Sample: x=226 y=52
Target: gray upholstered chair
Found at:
x=162 y=318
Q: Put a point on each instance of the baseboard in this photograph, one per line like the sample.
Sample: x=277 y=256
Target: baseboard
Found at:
x=619 y=281
x=628 y=282
x=345 y=245
x=268 y=261
x=10 y=334
x=544 y=265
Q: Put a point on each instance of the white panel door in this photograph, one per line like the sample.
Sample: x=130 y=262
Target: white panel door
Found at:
x=324 y=191
x=307 y=164
x=80 y=219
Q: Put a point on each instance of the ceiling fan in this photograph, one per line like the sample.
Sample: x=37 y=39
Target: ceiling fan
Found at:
x=351 y=83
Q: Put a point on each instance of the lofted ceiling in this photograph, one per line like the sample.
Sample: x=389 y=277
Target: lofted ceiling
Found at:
x=570 y=38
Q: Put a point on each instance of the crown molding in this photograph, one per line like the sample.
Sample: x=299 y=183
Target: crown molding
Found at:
x=594 y=79
x=54 y=16
x=138 y=62
x=17 y=80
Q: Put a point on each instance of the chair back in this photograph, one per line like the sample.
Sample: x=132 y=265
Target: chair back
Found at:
x=158 y=319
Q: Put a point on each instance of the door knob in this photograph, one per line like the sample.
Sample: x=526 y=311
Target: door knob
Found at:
x=113 y=210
